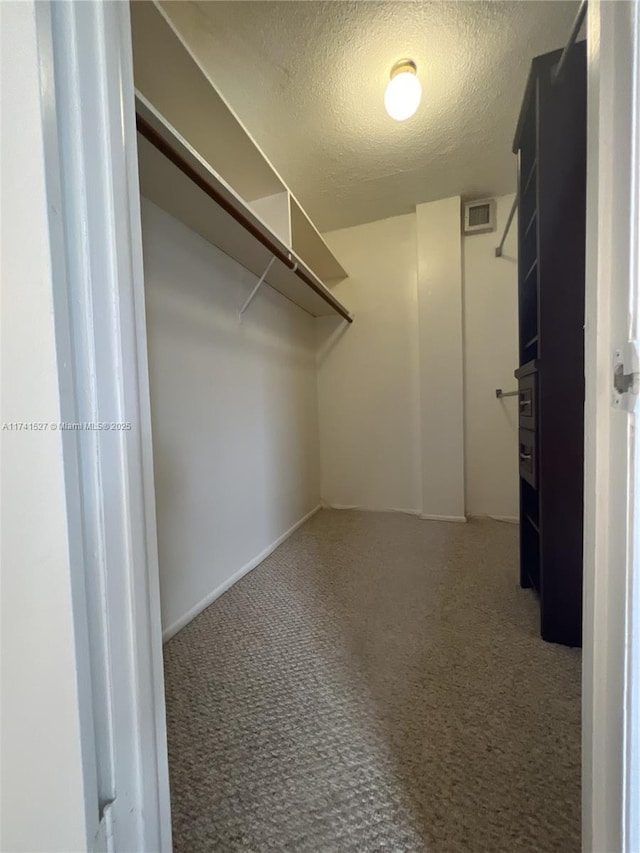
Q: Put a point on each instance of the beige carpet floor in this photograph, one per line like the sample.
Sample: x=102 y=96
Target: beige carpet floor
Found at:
x=377 y=684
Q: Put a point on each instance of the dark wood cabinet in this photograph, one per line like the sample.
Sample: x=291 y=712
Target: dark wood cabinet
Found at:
x=551 y=144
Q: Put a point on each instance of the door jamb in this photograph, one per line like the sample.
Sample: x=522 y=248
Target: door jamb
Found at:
x=609 y=739
x=93 y=199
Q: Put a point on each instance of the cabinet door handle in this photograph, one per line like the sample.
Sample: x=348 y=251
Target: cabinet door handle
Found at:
x=525 y=457
x=525 y=403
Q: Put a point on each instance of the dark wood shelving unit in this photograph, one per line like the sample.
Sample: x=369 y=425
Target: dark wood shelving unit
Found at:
x=551 y=143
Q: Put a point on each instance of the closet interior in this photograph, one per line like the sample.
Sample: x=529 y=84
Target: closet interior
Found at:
x=354 y=367
x=199 y=165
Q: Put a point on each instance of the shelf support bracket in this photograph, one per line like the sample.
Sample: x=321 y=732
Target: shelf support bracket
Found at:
x=508 y=225
x=253 y=293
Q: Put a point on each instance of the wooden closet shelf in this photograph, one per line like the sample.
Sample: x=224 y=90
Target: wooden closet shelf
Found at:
x=176 y=178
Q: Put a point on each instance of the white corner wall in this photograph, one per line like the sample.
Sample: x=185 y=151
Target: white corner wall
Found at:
x=234 y=411
x=441 y=361
x=491 y=356
x=42 y=803
x=408 y=415
x=368 y=384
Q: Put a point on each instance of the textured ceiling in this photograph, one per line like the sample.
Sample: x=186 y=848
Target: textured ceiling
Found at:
x=308 y=78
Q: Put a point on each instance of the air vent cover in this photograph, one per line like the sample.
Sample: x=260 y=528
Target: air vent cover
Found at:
x=480 y=216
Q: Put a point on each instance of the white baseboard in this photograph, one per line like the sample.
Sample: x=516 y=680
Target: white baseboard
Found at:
x=328 y=505
x=414 y=512
x=229 y=582
x=508 y=519
x=460 y=519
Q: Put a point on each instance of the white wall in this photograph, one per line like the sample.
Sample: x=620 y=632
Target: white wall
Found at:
x=491 y=356
x=398 y=429
x=441 y=363
x=42 y=805
x=368 y=387
x=234 y=410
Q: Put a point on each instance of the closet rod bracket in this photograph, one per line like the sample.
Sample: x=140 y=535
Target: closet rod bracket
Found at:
x=255 y=290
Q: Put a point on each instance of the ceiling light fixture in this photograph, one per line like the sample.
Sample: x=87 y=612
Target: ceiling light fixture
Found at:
x=403 y=94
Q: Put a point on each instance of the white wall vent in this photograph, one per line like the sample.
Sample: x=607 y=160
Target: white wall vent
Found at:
x=480 y=216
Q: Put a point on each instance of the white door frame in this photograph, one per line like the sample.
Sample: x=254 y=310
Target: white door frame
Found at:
x=93 y=200
x=610 y=737
x=90 y=139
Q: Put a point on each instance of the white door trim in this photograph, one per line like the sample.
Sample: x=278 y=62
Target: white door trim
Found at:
x=631 y=808
x=611 y=510
x=93 y=202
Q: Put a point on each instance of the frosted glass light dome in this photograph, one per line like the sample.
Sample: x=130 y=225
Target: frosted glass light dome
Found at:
x=404 y=92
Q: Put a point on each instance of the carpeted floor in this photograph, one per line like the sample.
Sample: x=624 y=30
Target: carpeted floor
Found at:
x=377 y=684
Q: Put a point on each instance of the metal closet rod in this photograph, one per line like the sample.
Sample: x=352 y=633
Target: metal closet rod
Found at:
x=170 y=153
x=573 y=35
x=555 y=76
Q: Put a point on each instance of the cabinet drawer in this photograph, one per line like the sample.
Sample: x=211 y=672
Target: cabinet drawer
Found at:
x=527 y=401
x=528 y=461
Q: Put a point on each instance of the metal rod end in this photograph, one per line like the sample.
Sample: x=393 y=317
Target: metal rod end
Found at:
x=498 y=252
